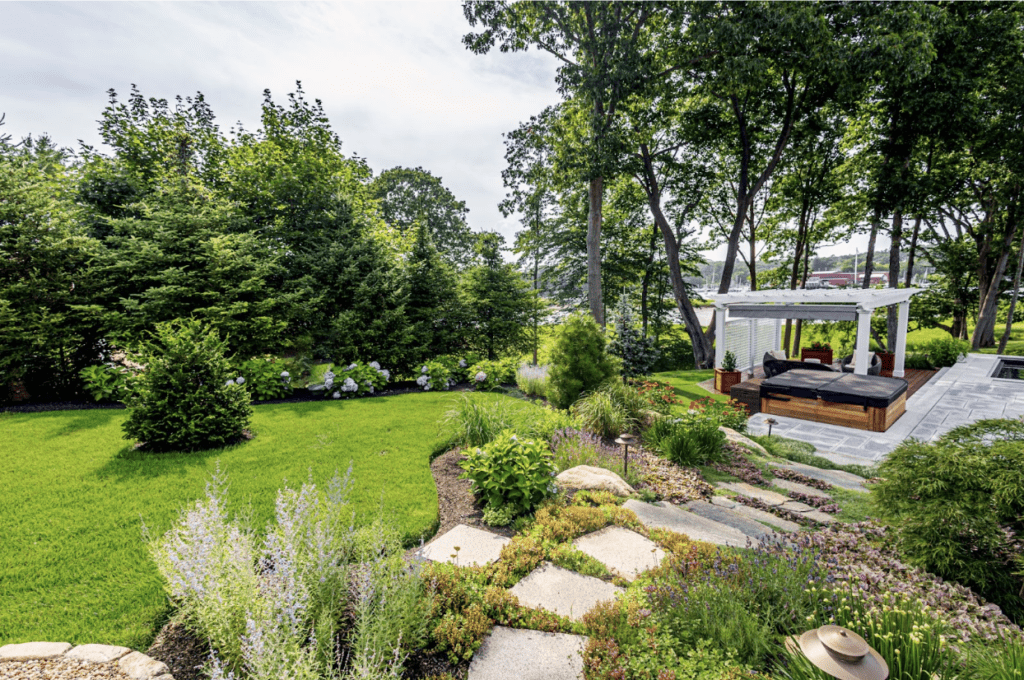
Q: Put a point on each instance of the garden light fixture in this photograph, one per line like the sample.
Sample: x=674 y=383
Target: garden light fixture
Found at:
x=770 y=421
x=626 y=439
x=843 y=654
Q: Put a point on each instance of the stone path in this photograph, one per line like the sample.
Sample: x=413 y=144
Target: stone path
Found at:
x=755 y=514
x=845 y=480
x=776 y=500
x=563 y=592
x=62 y=660
x=729 y=517
x=797 y=487
x=528 y=655
x=625 y=553
x=667 y=516
x=465 y=546
x=961 y=394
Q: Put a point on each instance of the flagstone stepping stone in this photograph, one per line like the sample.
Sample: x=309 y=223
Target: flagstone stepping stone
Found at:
x=744 y=489
x=797 y=487
x=528 y=655
x=766 y=517
x=33 y=651
x=97 y=653
x=729 y=517
x=667 y=516
x=475 y=546
x=625 y=553
x=796 y=506
x=563 y=592
x=840 y=478
x=819 y=516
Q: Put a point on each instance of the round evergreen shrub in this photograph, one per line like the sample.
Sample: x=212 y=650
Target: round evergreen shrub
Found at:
x=579 y=362
x=186 y=399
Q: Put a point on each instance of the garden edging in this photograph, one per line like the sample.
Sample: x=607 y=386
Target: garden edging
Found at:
x=135 y=665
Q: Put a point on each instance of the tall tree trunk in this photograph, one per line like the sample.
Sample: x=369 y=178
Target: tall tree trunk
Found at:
x=892 y=319
x=869 y=256
x=801 y=237
x=1013 y=300
x=536 y=285
x=803 y=284
x=752 y=265
x=912 y=252
x=645 y=284
x=596 y=197
x=984 y=331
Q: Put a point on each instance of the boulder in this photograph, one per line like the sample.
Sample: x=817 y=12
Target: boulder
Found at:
x=734 y=437
x=594 y=479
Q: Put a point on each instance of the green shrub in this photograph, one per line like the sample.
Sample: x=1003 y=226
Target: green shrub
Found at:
x=499 y=516
x=676 y=352
x=945 y=351
x=957 y=505
x=729 y=362
x=265 y=377
x=579 y=362
x=638 y=353
x=435 y=375
x=632 y=401
x=181 y=402
x=487 y=375
x=105 y=382
x=598 y=412
x=511 y=472
x=685 y=441
x=472 y=422
x=998 y=661
x=729 y=414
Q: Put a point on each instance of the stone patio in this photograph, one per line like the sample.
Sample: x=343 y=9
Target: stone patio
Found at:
x=958 y=395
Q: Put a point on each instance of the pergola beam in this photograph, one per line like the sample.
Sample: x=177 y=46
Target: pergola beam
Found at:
x=795 y=311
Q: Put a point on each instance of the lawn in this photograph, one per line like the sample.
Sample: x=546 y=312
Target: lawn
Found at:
x=74 y=566
x=686 y=387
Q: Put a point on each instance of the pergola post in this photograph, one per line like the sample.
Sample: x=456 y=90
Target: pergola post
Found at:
x=863 y=340
x=901 y=339
x=719 y=335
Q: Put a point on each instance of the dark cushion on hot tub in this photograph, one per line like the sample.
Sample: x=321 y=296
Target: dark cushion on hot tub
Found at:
x=798 y=383
x=863 y=390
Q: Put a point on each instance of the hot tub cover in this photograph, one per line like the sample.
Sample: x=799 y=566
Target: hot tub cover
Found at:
x=799 y=382
x=863 y=390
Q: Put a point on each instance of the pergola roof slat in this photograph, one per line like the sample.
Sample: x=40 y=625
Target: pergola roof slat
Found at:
x=865 y=298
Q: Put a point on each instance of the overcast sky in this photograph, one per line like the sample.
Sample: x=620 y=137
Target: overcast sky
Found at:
x=394 y=77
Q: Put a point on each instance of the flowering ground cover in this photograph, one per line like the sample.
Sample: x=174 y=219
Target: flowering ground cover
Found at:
x=74 y=565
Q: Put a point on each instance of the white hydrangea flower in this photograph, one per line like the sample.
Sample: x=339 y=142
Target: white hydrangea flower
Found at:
x=422 y=381
x=350 y=367
x=229 y=383
x=336 y=395
x=374 y=365
x=386 y=373
x=239 y=380
x=328 y=383
x=424 y=369
x=285 y=375
x=462 y=363
x=371 y=389
x=481 y=376
x=349 y=385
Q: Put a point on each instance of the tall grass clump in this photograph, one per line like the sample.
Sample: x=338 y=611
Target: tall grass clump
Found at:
x=284 y=605
x=474 y=422
x=532 y=380
x=686 y=441
x=599 y=413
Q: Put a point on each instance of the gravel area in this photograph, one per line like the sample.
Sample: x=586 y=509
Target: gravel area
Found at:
x=669 y=481
x=61 y=669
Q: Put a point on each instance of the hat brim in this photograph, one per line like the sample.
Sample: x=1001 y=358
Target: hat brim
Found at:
x=870 y=667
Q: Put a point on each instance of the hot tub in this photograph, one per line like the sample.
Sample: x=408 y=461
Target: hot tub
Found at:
x=1009 y=368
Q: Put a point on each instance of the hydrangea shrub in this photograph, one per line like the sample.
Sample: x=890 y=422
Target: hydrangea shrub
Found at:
x=181 y=402
x=434 y=375
x=265 y=377
x=352 y=380
x=487 y=375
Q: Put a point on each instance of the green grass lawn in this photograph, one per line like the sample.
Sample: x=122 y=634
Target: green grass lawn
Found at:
x=686 y=387
x=74 y=566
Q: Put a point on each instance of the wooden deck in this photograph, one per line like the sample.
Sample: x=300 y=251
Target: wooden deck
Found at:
x=915 y=377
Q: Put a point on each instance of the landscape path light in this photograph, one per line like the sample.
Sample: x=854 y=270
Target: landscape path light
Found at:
x=627 y=440
x=770 y=421
x=842 y=654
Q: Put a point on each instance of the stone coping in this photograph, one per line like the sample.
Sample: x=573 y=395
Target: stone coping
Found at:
x=135 y=665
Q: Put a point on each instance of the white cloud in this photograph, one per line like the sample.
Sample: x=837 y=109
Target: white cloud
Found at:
x=394 y=78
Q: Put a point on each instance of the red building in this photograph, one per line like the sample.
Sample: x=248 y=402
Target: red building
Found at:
x=829 y=279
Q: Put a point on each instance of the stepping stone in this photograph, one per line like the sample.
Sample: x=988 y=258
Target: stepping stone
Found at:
x=528 y=655
x=819 y=516
x=744 y=489
x=33 y=651
x=475 y=546
x=796 y=506
x=97 y=653
x=766 y=517
x=625 y=553
x=729 y=517
x=563 y=592
x=667 y=516
x=846 y=480
x=797 y=487
x=138 y=666
x=723 y=502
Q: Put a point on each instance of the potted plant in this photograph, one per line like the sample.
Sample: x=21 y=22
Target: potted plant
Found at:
x=822 y=351
x=727 y=375
x=888 y=360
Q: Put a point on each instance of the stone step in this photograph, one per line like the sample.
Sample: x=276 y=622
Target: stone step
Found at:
x=770 y=497
x=797 y=487
x=667 y=516
x=840 y=478
x=475 y=547
x=749 y=527
x=563 y=592
x=625 y=553
x=528 y=655
x=755 y=514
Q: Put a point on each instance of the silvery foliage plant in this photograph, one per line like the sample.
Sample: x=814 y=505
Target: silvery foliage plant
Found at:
x=274 y=607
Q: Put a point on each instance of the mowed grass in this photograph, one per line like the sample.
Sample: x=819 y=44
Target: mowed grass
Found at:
x=685 y=385
x=73 y=562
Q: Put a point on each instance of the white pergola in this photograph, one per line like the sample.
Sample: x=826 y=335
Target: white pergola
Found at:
x=841 y=304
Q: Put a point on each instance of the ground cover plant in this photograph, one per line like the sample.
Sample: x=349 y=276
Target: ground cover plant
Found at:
x=75 y=496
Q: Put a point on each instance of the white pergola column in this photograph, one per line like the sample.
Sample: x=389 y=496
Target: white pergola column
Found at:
x=719 y=335
x=901 y=339
x=860 y=353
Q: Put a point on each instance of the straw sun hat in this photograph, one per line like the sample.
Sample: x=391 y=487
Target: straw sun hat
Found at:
x=843 y=654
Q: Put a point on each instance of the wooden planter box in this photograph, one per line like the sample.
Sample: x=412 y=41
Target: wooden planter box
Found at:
x=724 y=380
x=888 y=360
x=823 y=355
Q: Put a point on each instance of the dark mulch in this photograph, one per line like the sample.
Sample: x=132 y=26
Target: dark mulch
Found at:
x=184 y=653
x=455 y=501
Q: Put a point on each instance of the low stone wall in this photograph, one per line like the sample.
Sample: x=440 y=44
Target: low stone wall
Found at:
x=134 y=665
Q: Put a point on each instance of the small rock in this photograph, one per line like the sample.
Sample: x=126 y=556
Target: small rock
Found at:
x=140 y=667
x=723 y=502
x=819 y=516
x=30 y=651
x=594 y=479
x=735 y=437
x=97 y=653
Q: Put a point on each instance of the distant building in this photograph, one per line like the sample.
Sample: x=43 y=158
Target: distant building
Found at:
x=834 y=279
